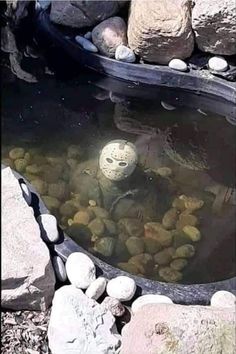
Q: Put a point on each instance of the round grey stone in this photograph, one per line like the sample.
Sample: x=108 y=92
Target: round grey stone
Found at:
x=59 y=268
x=48 y=228
x=178 y=64
x=125 y=54
x=86 y=44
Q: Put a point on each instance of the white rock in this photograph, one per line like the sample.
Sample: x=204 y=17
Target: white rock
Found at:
x=27 y=276
x=149 y=299
x=178 y=64
x=97 y=288
x=217 y=64
x=122 y=288
x=80 y=270
x=48 y=227
x=80 y=325
x=88 y=35
x=125 y=54
x=59 y=268
x=167 y=106
x=26 y=193
x=223 y=298
x=86 y=44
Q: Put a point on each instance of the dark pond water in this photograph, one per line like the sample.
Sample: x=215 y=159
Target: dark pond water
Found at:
x=173 y=217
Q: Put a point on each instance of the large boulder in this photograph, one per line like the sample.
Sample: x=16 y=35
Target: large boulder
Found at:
x=159 y=31
x=175 y=329
x=27 y=275
x=79 y=324
x=214 y=25
x=81 y=13
x=109 y=34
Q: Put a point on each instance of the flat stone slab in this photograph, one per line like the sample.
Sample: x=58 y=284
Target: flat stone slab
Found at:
x=179 y=329
x=28 y=278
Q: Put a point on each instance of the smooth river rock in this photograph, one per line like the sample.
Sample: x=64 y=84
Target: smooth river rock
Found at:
x=80 y=270
x=159 y=31
x=86 y=44
x=80 y=325
x=149 y=299
x=109 y=34
x=59 y=268
x=178 y=64
x=217 y=64
x=214 y=25
x=224 y=299
x=96 y=288
x=178 y=329
x=122 y=288
x=28 y=278
x=48 y=227
x=124 y=53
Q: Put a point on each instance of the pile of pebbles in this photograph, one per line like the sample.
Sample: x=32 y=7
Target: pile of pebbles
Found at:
x=159 y=249
x=24 y=332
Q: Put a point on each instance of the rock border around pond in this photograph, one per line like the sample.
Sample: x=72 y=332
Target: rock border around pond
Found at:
x=198 y=81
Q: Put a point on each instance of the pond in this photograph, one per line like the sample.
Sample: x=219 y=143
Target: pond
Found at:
x=159 y=201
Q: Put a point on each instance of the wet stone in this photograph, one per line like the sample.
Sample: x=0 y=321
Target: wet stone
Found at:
x=128 y=267
x=82 y=217
x=135 y=245
x=170 y=218
x=105 y=246
x=17 y=153
x=185 y=251
x=164 y=257
x=97 y=226
x=192 y=232
x=178 y=264
x=133 y=227
x=20 y=165
x=170 y=275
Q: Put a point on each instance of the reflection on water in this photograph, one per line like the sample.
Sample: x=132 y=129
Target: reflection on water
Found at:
x=172 y=219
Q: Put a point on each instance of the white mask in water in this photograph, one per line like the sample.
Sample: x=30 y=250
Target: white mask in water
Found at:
x=118 y=159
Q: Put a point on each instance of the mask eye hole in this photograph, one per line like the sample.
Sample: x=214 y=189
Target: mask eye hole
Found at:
x=109 y=160
x=122 y=164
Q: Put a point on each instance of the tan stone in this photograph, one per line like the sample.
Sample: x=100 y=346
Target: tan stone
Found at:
x=159 y=31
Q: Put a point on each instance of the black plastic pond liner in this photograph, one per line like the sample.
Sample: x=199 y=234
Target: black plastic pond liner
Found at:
x=179 y=293
x=141 y=75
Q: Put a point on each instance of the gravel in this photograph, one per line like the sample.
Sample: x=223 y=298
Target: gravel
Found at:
x=24 y=332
